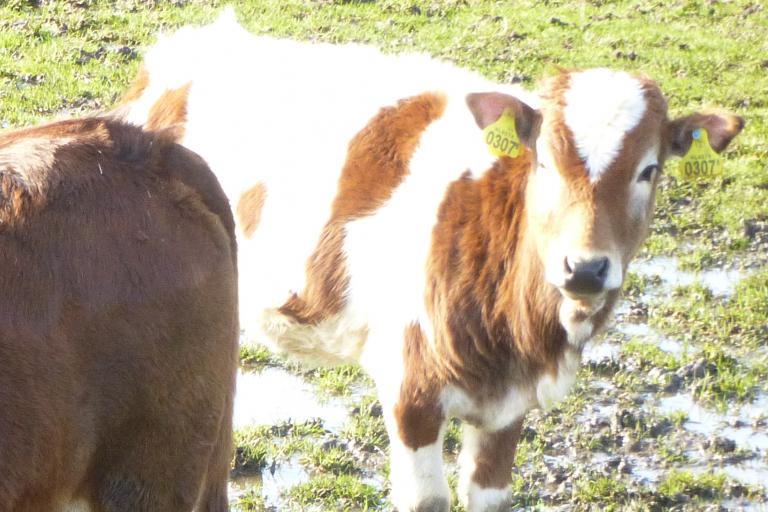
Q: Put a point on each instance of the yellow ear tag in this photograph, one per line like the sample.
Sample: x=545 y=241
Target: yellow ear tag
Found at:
x=501 y=136
x=701 y=162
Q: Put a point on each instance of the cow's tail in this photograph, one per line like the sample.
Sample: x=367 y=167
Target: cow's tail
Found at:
x=326 y=342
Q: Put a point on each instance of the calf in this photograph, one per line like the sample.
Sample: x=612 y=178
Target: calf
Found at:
x=376 y=227
x=118 y=325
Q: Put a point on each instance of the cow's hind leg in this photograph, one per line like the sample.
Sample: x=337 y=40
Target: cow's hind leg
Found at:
x=214 y=498
x=486 y=462
x=159 y=467
x=416 y=451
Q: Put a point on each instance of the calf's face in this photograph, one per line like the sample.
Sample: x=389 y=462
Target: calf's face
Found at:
x=604 y=139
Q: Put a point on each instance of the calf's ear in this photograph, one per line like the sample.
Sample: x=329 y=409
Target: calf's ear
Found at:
x=487 y=107
x=721 y=128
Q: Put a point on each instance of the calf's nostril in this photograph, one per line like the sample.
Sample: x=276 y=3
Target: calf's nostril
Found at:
x=586 y=276
x=602 y=271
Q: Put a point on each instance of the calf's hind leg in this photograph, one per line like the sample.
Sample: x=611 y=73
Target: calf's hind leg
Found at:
x=486 y=462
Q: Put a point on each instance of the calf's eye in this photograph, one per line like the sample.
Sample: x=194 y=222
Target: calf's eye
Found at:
x=647 y=173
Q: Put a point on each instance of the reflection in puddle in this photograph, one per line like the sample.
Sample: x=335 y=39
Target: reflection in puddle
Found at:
x=270 y=483
x=720 y=282
x=736 y=425
x=285 y=476
x=751 y=472
x=601 y=351
x=653 y=336
x=274 y=396
x=708 y=422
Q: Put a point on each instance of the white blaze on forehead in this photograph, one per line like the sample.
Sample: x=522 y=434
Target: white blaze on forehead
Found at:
x=601 y=107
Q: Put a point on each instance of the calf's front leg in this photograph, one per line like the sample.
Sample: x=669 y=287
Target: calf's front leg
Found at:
x=486 y=462
x=416 y=431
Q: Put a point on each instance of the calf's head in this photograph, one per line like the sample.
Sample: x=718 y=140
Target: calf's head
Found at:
x=600 y=148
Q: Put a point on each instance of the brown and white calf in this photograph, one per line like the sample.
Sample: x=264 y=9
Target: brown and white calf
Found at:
x=118 y=322
x=375 y=226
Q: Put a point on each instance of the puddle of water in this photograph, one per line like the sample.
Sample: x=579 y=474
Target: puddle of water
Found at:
x=269 y=484
x=720 y=281
x=601 y=351
x=707 y=422
x=602 y=385
x=275 y=396
x=751 y=472
x=646 y=474
x=658 y=339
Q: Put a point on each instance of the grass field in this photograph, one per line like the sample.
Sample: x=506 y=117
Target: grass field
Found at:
x=671 y=408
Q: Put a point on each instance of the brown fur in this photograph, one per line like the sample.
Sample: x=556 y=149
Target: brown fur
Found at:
x=377 y=162
x=721 y=127
x=118 y=330
x=249 y=208
x=494 y=462
x=418 y=412
x=484 y=286
x=169 y=110
x=138 y=86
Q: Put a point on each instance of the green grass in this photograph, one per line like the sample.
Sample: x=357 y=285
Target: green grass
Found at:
x=703 y=485
x=728 y=332
x=257 y=357
x=252 y=501
x=650 y=355
x=601 y=490
x=258 y=446
x=336 y=460
x=330 y=492
x=365 y=429
x=338 y=381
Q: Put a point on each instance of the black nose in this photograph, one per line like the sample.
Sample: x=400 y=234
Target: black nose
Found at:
x=586 y=276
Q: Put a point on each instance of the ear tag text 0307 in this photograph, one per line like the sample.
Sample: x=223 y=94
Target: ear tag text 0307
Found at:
x=701 y=162
x=501 y=136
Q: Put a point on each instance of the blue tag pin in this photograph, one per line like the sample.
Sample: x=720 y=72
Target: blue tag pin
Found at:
x=697 y=133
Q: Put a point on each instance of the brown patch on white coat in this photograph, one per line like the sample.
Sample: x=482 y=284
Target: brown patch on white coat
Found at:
x=377 y=162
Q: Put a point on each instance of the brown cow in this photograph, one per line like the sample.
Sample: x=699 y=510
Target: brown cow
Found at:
x=118 y=322
x=376 y=227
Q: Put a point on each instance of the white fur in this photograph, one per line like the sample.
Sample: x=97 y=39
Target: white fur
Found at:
x=338 y=339
x=470 y=447
x=416 y=475
x=281 y=113
x=493 y=415
x=602 y=106
x=548 y=185
x=398 y=235
x=482 y=499
x=578 y=331
x=551 y=389
x=472 y=496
